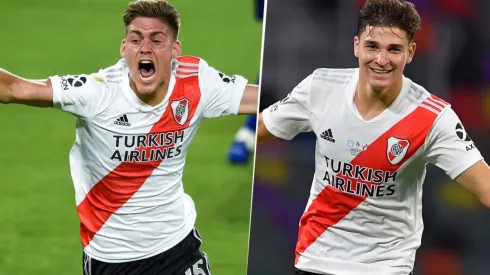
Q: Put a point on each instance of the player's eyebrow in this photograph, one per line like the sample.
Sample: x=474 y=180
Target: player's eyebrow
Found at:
x=376 y=43
x=394 y=45
x=139 y=33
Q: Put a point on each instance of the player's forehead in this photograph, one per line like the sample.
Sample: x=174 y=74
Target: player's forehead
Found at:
x=148 y=26
x=384 y=35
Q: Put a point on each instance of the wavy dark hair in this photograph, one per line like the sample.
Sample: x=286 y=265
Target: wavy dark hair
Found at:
x=390 y=13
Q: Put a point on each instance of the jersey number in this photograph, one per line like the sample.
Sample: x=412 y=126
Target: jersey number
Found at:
x=196 y=270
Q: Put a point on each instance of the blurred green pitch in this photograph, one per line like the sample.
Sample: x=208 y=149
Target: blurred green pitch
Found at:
x=39 y=232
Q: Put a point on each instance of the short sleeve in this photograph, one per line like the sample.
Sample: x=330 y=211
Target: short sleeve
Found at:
x=221 y=94
x=449 y=147
x=290 y=116
x=80 y=95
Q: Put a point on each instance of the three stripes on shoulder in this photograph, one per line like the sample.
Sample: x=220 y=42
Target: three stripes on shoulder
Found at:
x=339 y=76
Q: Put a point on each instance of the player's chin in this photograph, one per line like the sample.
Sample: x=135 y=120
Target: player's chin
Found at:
x=379 y=85
x=146 y=88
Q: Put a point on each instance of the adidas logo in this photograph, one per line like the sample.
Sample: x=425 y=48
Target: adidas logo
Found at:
x=327 y=135
x=123 y=121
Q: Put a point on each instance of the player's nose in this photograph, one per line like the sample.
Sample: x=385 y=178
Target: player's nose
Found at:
x=145 y=46
x=382 y=58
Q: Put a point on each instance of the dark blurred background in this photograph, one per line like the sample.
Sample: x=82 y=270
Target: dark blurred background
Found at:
x=452 y=61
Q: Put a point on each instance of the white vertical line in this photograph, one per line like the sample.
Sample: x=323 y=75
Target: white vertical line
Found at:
x=264 y=23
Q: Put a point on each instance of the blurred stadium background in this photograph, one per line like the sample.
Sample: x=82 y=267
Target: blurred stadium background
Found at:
x=452 y=61
x=39 y=232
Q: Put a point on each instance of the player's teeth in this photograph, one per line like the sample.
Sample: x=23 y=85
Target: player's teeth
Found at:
x=146 y=61
x=380 y=72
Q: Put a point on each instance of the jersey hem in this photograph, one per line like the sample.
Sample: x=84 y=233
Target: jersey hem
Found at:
x=274 y=131
x=237 y=99
x=328 y=266
x=187 y=229
x=55 y=80
x=463 y=166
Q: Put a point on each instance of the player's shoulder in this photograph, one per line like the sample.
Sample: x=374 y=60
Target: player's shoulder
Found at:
x=113 y=74
x=333 y=75
x=192 y=67
x=188 y=66
x=421 y=97
x=89 y=83
x=189 y=59
x=106 y=83
x=326 y=82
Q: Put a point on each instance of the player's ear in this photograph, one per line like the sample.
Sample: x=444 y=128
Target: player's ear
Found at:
x=123 y=47
x=411 y=51
x=177 y=49
x=356 y=46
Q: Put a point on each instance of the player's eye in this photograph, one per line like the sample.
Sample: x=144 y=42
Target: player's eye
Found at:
x=395 y=50
x=135 y=41
x=371 y=46
x=156 y=41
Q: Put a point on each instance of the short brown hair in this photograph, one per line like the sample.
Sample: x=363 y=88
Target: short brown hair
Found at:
x=390 y=13
x=160 y=9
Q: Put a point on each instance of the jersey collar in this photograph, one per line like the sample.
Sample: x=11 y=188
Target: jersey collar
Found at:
x=395 y=107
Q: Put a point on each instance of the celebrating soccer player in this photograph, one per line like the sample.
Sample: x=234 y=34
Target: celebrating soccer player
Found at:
x=135 y=121
x=376 y=131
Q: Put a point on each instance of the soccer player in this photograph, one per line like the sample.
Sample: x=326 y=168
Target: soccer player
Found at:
x=135 y=121
x=376 y=131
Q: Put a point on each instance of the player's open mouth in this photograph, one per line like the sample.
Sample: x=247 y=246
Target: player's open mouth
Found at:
x=381 y=71
x=146 y=70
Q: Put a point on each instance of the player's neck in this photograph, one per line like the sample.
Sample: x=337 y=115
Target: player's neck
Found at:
x=370 y=102
x=154 y=98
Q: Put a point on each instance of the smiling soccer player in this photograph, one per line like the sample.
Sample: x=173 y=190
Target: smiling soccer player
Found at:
x=376 y=131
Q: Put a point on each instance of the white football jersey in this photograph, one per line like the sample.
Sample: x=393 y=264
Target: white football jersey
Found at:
x=364 y=213
x=128 y=157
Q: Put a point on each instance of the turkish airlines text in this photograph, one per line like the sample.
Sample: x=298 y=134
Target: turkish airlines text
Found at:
x=359 y=180
x=150 y=147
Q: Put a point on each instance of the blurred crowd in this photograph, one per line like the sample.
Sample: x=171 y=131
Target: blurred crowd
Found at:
x=452 y=61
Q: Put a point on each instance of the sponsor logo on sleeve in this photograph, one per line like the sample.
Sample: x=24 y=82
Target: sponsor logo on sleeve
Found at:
x=227 y=79
x=462 y=135
x=73 y=81
x=64 y=83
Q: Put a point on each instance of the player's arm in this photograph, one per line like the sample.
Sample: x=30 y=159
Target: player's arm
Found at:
x=225 y=95
x=250 y=98
x=287 y=117
x=450 y=148
x=262 y=133
x=477 y=180
x=14 y=89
